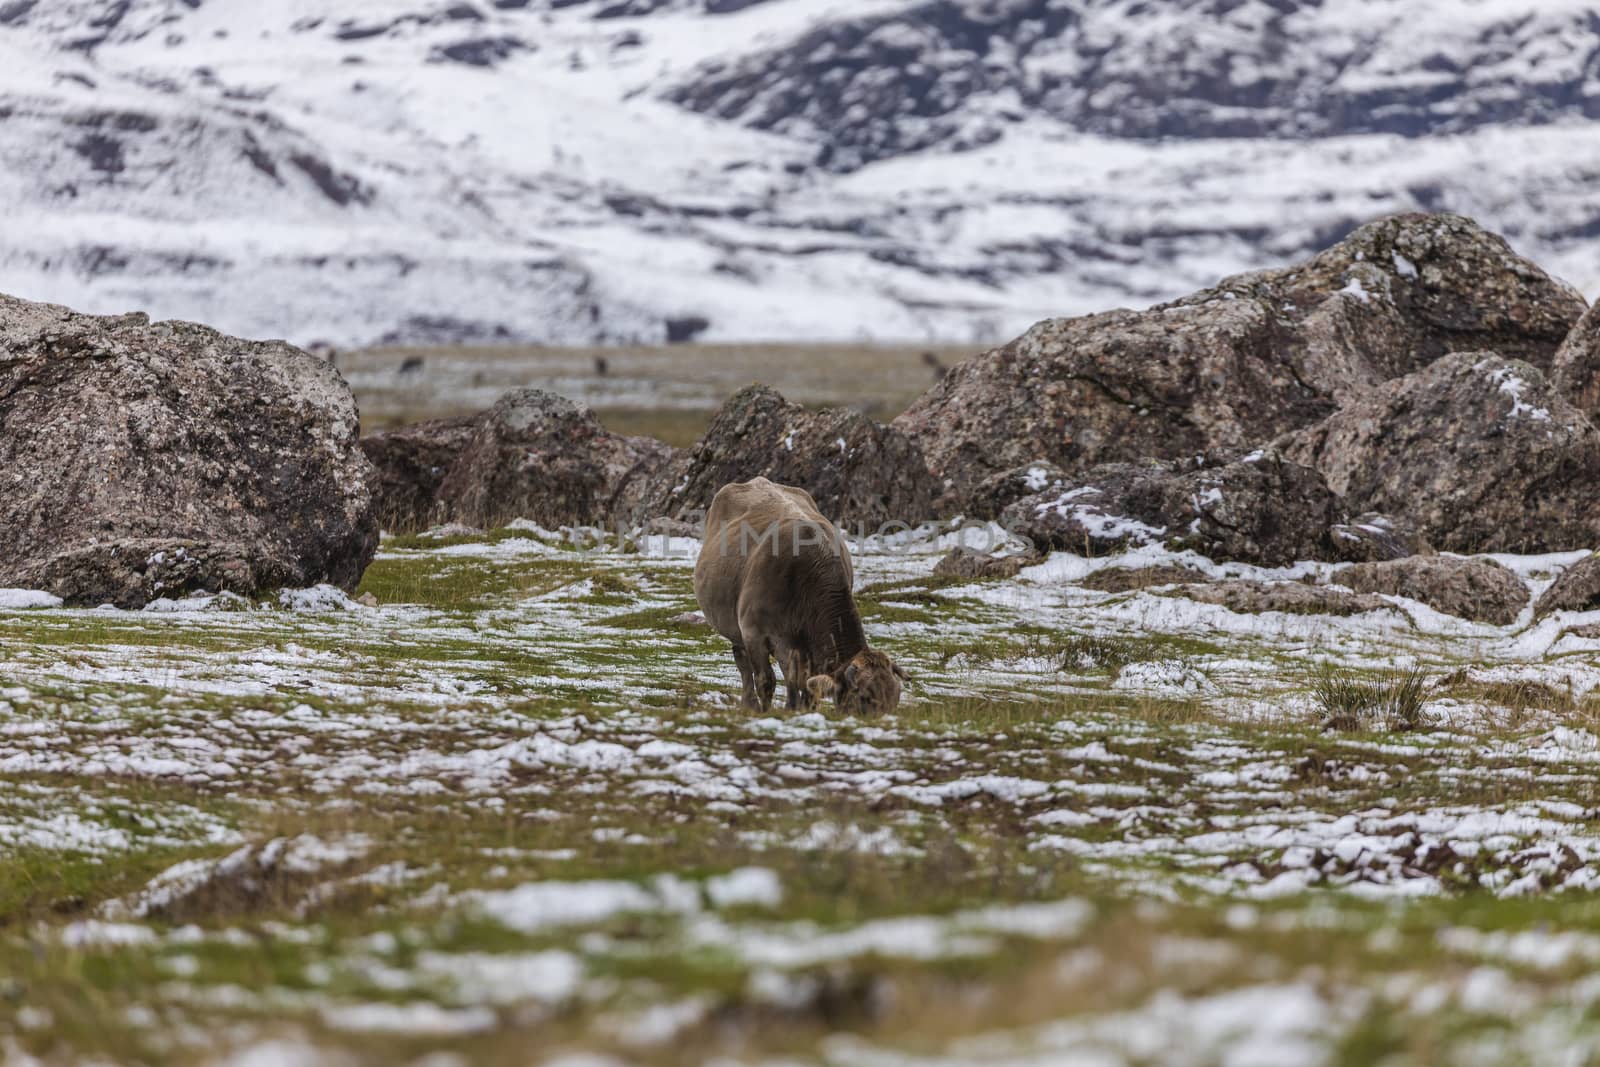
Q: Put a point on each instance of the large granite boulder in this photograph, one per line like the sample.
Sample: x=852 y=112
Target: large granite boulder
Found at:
x=142 y=460
x=1479 y=453
x=534 y=455
x=1260 y=509
x=860 y=472
x=1471 y=588
x=1232 y=366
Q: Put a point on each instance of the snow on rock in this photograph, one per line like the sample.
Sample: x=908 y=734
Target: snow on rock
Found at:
x=317 y=598
x=27 y=599
x=1164 y=678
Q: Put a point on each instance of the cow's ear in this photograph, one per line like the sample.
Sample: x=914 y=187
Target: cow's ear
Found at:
x=900 y=673
x=821 y=686
x=848 y=681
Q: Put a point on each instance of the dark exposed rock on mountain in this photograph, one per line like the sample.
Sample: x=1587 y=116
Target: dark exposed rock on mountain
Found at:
x=1374 y=538
x=955 y=72
x=1576 y=589
x=1260 y=509
x=1479 y=452
x=1292 y=598
x=140 y=460
x=1477 y=589
x=1229 y=367
x=859 y=471
x=534 y=455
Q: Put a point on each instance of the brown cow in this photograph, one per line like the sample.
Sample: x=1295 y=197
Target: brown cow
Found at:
x=774 y=578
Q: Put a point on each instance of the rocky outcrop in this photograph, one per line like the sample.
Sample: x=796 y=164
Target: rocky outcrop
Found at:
x=1255 y=356
x=1292 y=598
x=859 y=471
x=1575 y=589
x=1477 y=589
x=1260 y=509
x=1373 y=538
x=534 y=455
x=141 y=460
x=1478 y=452
x=410 y=464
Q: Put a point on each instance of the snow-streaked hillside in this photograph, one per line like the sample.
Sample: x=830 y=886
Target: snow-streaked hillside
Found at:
x=607 y=170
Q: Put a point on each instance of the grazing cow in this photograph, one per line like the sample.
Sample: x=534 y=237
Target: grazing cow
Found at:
x=774 y=578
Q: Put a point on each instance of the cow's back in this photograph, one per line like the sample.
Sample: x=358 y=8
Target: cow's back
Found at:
x=738 y=551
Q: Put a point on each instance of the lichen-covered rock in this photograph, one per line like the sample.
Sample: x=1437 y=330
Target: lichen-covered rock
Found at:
x=1575 y=589
x=1470 y=588
x=860 y=472
x=1232 y=366
x=990 y=498
x=1136 y=579
x=1575 y=372
x=410 y=464
x=141 y=460
x=1476 y=451
x=1260 y=509
x=1373 y=538
x=963 y=562
x=541 y=457
x=1292 y=598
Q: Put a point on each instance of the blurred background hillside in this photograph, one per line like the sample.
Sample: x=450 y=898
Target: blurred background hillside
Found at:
x=930 y=175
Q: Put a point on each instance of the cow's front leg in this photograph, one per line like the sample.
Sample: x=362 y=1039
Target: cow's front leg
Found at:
x=766 y=681
x=796 y=669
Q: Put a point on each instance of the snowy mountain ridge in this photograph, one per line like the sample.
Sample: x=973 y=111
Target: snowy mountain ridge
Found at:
x=577 y=171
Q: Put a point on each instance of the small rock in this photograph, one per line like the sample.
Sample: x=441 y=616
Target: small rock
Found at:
x=1477 y=589
x=1576 y=589
x=1135 y=579
x=963 y=562
x=1293 y=598
x=1374 y=538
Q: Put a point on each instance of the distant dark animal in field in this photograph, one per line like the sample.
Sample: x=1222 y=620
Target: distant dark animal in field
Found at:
x=412 y=365
x=601 y=367
x=324 y=351
x=935 y=364
x=774 y=578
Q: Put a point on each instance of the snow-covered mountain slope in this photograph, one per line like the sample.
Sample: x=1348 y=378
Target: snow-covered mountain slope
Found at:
x=608 y=170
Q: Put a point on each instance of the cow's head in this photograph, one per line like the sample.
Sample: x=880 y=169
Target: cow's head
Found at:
x=869 y=684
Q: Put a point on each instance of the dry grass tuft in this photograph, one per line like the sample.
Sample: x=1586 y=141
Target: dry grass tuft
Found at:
x=1393 y=702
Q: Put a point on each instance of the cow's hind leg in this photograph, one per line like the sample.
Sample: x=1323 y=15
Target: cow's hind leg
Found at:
x=747 y=676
